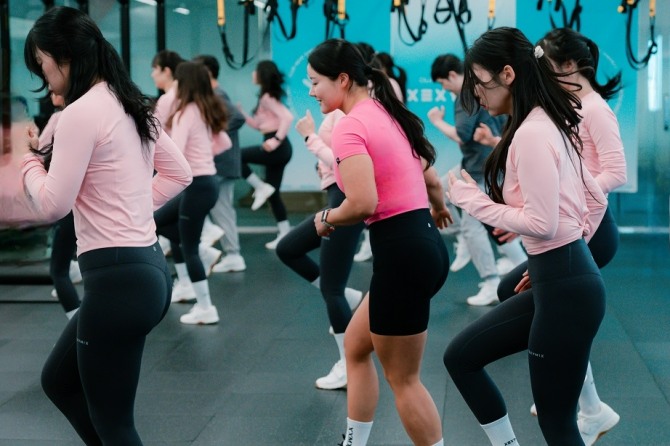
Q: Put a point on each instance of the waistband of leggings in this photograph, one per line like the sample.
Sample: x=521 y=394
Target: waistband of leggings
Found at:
x=102 y=257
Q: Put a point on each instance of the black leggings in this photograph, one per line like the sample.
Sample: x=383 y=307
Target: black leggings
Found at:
x=93 y=371
x=63 y=246
x=603 y=245
x=275 y=162
x=410 y=264
x=335 y=259
x=556 y=323
x=181 y=221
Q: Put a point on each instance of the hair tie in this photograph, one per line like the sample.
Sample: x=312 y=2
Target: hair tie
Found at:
x=367 y=70
x=538 y=52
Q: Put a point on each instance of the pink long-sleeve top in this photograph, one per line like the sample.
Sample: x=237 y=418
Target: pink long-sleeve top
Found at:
x=194 y=138
x=100 y=170
x=549 y=199
x=271 y=116
x=603 y=150
x=165 y=106
x=320 y=145
x=369 y=130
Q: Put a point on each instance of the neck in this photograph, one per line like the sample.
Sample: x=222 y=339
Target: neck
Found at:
x=356 y=94
x=582 y=82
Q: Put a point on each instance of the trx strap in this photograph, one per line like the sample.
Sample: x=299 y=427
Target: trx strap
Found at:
x=336 y=16
x=462 y=16
x=491 y=19
x=271 y=8
x=399 y=5
x=574 y=21
x=628 y=7
x=249 y=10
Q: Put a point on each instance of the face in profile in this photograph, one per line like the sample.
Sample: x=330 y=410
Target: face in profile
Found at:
x=57 y=76
x=494 y=96
x=160 y=76
x=324 y=90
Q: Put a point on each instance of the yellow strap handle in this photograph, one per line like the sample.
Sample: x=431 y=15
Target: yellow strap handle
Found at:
x=221 y=14
x=341 y=9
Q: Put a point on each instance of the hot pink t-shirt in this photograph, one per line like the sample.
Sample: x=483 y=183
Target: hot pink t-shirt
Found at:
x=369 y=130
x=100 y=171
x=549 y=200
x=602 y=147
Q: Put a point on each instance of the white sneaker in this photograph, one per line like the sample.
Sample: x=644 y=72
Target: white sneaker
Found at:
x=54 y=293
x=182 y=292
x=365 y=251
x=200 y=316
x=463 y=256
x=488 y=293
x=75 y=272
x=335 y=379
x=504 y=265
x=231 y=263
x=261 y=195
x=533 y=410
x=209 y=256
x=211 y=233
x=165 y=245
x=273 y=244
x=592 y=427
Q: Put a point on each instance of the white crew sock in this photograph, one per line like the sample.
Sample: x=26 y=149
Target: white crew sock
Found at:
x=339 y=340
x=357 y=433
x=254 y=180
x=201 y=289
x=500 y=432
x=353 y=297
x=284 y=227
x=182 y=272
x=70 y=314
x=513 y=251
x=589 y=401
x=440 y=443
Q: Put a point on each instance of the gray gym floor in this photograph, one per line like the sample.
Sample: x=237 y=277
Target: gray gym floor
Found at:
x=249 y=380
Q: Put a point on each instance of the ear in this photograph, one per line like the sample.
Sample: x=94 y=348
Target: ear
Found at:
x=507 y=75
x=343 y=80
x=569 y=66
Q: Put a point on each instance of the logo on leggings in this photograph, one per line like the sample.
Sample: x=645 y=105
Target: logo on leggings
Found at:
x=537 y=355
x=512 y=441
x=81 y=341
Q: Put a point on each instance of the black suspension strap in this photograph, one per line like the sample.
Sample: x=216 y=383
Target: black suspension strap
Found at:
x=336 y=17
x=628 y=7
x=272 y=10
x=462 y=16
x=249 y=10
x=572 y=20
x=399 y=5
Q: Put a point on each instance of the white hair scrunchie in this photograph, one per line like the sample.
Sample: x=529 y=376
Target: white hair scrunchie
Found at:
x=538 y=52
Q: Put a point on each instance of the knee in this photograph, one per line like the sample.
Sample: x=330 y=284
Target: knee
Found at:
x=452 y=358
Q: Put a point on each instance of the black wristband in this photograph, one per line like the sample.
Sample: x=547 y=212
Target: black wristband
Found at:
x=307 y=137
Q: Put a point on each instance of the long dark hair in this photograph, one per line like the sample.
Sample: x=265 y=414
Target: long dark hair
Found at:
x=194 y=86
x=70 y=36
x=535 y=85
x=336 y=56
x=392 y=70
x=564 y=44
x=270 y=79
